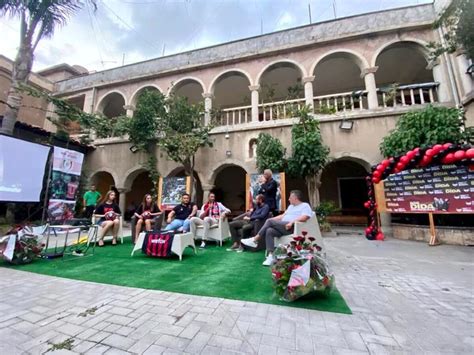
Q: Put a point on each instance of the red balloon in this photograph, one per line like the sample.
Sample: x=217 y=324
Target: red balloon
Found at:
x=437 y=148
x=416 y=150
x=385 y=162
x=380 y=168
x=411 y=155
x=404 y=160
x=447 y=145
x=367 y=204
x=379 y=236
x=448 y=159
x=399 y=166
x=425 y=161
x=430 y=152
x=470 y=153
x=459 y=155
x=376 y=174
x=375 y=180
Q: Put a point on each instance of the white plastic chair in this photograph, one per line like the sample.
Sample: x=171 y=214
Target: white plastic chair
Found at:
x=218 y=232
x=311 y=226
x=96 y=217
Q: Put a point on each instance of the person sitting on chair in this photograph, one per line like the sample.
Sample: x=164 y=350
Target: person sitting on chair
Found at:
x=242 y=228
x=145 y=214
x=209 y=215
x=182 y=214
x=110 y=218
x=281 y=225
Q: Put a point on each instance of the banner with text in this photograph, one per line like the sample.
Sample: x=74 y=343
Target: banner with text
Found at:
x=437 y=189
x=67 y=166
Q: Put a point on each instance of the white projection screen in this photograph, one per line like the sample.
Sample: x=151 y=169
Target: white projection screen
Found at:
x=22 y=168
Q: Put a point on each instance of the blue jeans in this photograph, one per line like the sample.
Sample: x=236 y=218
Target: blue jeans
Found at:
x=177 y=223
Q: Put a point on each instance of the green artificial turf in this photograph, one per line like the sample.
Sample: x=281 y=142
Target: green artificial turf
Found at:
x=211 y=272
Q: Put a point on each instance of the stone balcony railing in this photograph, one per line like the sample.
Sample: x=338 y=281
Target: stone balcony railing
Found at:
x=340 y=103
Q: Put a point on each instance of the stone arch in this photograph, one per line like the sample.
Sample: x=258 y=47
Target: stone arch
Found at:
x=230 y=186
x=338 y=72
x=218 y=76
x=360 y=60
x=104 y=101
x=180 y=81
x=422 y=46
x=103 y=179
x=352 y=156
x=290 y=61
x=131 y=174
x=221 y=165
x=136 y=94
x=343 y=182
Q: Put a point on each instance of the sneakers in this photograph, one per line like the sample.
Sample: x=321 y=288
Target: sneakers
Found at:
x=268 y=261
x=203 y=244
x=250 y=242
x=239 y=249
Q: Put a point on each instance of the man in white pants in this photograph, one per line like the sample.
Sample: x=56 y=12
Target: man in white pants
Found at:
x=209 y=215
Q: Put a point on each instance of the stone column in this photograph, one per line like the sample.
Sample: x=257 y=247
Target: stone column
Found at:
x=308 y=90
x=89 y=103
x=206 y=189
x=369 y=77
x=130 y=109
x=207 y=107
x=123 y=192
x=462 y=64
x=254 y=90
x=440 y=76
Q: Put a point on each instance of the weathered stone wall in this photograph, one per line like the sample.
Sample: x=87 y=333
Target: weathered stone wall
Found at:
x=445 y=235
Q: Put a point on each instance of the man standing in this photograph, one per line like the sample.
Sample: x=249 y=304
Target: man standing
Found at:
x=89 y=201
x=182 y=214
x=269 y=190
x=281 y=225
x=209 y=215
x=242 y=228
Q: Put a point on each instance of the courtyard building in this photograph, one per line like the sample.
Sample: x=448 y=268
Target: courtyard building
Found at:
x=359 y=73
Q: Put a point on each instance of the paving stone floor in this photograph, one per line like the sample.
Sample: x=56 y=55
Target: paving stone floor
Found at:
x=406 y=297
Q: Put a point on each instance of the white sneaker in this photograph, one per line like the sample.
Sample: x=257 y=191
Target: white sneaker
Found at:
x=268 y=261
x=250 y=242
x=203 y=244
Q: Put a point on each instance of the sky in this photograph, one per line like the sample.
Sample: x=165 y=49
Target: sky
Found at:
x=127 y=31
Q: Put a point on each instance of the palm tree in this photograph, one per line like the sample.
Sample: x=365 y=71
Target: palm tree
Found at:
x=38 y=19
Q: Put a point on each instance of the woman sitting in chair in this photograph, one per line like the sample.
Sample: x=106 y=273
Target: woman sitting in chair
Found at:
x=109 y=212
x=145 y=214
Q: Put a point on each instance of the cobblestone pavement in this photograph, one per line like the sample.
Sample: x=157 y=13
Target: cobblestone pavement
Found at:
x=406 y=297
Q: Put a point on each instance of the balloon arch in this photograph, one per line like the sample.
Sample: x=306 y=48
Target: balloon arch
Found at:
x=439 y=154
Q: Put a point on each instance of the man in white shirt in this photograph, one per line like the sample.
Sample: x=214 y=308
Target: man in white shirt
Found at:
x=281 y=225
x=209 y=215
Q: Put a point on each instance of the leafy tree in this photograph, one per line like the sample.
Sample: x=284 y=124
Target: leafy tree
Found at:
x=458 y=21
x=431 y=125
x=309 y=154
x=270 y=153
x=38 y=19
x=183 y=132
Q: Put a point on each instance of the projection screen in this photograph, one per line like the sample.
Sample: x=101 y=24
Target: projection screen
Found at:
x=22 y=169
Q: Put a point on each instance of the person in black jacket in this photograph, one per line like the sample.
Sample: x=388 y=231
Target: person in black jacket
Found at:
x=242 y=228
x=269 y=190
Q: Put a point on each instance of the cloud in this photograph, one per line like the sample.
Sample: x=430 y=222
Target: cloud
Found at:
x=141 y=29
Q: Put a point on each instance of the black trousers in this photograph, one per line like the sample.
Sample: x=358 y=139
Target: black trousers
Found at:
x=240 y=229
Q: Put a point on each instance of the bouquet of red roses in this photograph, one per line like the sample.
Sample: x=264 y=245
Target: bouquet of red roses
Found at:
x=300 y=270
x=20 y=245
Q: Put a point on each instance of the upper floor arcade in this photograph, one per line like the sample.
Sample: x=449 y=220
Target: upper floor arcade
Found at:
x=342 y=68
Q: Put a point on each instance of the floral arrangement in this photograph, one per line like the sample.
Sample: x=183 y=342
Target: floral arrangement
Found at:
x=26 y=249
x=300 y=270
